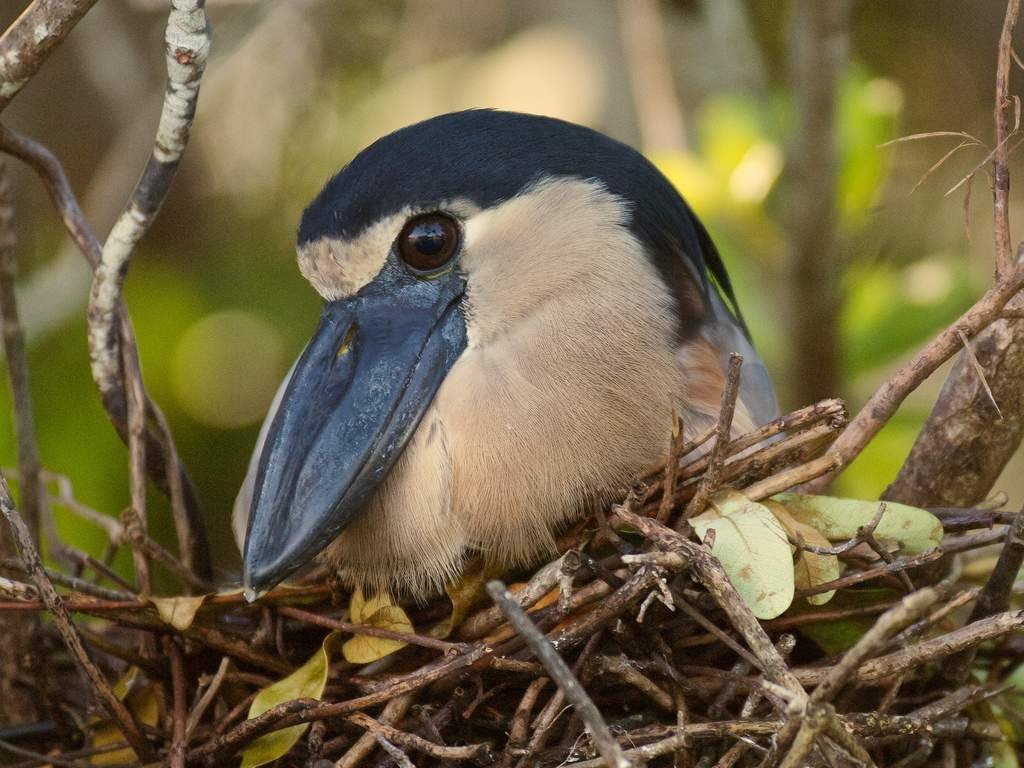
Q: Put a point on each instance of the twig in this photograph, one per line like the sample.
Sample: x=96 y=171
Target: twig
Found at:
x=160 y=443
x=840 y=549
x=804 y=473
x=518 y=730
x=872 y=641
x=1000 y=167
x=858 y=577
x=401 y=759
x=623 y=669
x=307 y=710
x=29 y=467
x=393 y=711
x=560 y=673
x=62 y=619
x=17 y=589
x=668 y=483
x=830 y=412
x=30 y=40
x=363 y=629
x=207 y=698
x=994 y=597
x=187 y=47
x=72 y=582
x=710 y=573
x=709 y=482
x=412 y=741
x=969 y=351
x=881 y=406
x=179 y=714
x=135 y=515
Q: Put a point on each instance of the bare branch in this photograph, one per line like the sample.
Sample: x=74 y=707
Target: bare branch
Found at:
x=62 y=619
x=33 y=495
x=560 y=673
x=30 y=40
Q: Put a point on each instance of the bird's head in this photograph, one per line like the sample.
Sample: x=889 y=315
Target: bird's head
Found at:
x=437 y=238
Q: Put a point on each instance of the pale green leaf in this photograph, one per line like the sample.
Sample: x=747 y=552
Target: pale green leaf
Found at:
x=914 y=530
x=752 y=547
x=809 y=568
x=306 y=682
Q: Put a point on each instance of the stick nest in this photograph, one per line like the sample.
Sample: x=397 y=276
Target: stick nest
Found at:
x=634 y=648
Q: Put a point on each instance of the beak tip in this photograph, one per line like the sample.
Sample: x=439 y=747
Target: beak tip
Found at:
x=256 y=582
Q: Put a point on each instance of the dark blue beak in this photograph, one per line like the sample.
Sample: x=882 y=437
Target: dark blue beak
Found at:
x=356 y=396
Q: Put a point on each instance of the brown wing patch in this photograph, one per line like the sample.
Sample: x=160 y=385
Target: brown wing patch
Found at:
x=705 y=382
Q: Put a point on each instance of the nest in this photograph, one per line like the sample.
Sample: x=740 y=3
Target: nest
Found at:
x=631 y=647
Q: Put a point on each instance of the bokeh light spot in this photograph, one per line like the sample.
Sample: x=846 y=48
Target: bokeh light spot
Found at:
x=227 y=367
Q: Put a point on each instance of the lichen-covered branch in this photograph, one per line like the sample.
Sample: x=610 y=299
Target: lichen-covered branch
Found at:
x=30 y=40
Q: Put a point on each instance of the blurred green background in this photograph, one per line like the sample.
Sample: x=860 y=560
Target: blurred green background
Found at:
x=295 y=87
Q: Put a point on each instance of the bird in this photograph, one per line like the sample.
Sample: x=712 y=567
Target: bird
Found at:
x=515 y=308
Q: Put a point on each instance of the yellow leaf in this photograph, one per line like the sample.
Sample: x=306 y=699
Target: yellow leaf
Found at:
x=377 y=612
x=915 y=530
x=306 y=682
x=179 y=612
x=752 y=548
x=810 y=568
x=141 y=701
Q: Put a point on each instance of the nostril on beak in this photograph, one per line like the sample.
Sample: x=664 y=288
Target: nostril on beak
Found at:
x=346 y=343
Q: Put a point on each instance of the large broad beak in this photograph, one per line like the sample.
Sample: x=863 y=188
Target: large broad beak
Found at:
x=355 y=398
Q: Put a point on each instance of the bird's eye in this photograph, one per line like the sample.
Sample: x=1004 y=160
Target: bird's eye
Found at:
x=429 y=241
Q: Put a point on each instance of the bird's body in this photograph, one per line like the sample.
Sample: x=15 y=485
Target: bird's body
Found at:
x=574 y=316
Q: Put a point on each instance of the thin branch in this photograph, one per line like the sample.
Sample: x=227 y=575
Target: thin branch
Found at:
x=179 y=714
x=1000 y=166
x=412 y=741
x=881 y=406
x=160 y=449
x=187 y=42
x=969 y=351
x=711 y=574
x=561 y=674
x=994 y=597
x=30 y=40
x=723 y=432
x=33 y=495
x=62 y=620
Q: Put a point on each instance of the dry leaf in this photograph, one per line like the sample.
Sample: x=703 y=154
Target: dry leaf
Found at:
x=464 y=593
x=179 y=612
x=377 y=612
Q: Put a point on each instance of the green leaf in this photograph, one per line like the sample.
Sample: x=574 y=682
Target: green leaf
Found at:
x=914 y=530
x=306 y=682
x=752 y=547
x=810 y=568
x=839 y=635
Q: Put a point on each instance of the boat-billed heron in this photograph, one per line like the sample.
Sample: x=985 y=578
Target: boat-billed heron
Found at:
x=514 y=307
